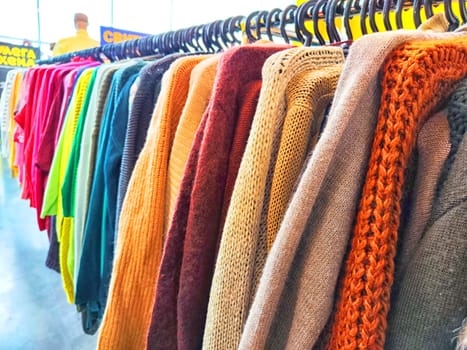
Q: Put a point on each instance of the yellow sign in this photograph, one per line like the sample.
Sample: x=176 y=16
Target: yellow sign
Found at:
x=355 y=26
x=17 y=55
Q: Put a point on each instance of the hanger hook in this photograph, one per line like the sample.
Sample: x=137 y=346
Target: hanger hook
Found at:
x=303 y=14
x=271 y=19
x=286 y=16
x=315 y=15
x=331 y=28
x=452 y=19
x=248 y=30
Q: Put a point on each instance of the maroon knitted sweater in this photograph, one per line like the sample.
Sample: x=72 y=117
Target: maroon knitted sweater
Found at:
x=182 y=291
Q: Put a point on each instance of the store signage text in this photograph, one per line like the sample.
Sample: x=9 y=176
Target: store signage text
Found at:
x=110 y=35
x=17 y=55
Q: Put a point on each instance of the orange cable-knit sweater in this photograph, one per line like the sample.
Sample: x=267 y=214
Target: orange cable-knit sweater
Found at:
x=417 y=77
x=140 y=239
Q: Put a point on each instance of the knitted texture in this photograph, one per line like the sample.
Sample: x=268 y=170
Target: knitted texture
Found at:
x=193 y=235
x=432 y=148
x=139 y=119
x=432 y=302
x=140 y=238
x=457 y=118
x=87 y=157
x=17 y=84
x=201 y=83
x=239 y=259
x=303 y=265
x=417 y=77
x=308 y=95
x=5 y=118
x=247 y=112
x=53 y=194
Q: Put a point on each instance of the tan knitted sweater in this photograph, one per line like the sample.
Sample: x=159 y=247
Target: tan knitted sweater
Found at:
x=140 y=240
x=308 y=94
x=300 y=275
x=242 y=250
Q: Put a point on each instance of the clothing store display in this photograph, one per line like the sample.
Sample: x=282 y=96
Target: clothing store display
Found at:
x=432 y=288
x=195 y=223
x=125 y=325
x=85 y=154
x=317 y=223
x=242 y=248
x=93 y=277
x=139 y=119
x=206 y=188
x=364 y=299
x=53 y=194
x=201 y=83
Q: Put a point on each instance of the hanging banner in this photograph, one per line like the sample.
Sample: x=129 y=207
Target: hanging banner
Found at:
x=18 y=56
x=110 y=35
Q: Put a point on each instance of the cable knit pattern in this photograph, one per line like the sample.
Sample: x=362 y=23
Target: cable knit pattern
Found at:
x=239 y=258
x=417 y=77
x=140 y=237
x=302 y=269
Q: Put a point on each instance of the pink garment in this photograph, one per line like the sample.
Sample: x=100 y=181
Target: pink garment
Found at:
x=42 y=108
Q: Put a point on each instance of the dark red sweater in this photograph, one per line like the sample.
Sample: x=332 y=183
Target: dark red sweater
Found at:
x=185 y=275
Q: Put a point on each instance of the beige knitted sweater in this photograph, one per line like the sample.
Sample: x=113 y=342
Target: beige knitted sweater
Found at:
x=295 y=296
x=308 y=94
x=242 y=249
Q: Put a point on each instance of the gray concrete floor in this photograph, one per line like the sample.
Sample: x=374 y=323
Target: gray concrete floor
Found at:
x=34 y=313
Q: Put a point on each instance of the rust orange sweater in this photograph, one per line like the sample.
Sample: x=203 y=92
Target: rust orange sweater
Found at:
x=417 y=77
x=139 y=245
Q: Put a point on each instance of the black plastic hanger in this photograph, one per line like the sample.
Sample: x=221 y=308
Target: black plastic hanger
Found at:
x=399 y=10
x=331 y=29
x=452 y=19
x=363 y=16
x=463 y=11
x=304 y=13
x=372 y=7
x=287 y=16
x=272 y=20
x=319 y=7
x=388 y=4
x=248 y=27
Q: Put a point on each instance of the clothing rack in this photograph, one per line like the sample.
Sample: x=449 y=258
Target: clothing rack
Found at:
x=276 y=23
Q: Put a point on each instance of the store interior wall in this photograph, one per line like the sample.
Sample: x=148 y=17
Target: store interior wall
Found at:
x=19 y=19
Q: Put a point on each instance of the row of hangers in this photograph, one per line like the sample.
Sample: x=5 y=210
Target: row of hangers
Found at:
x=292 y=24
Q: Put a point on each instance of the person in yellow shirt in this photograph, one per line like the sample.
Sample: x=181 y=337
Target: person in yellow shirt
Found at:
x=80 y=41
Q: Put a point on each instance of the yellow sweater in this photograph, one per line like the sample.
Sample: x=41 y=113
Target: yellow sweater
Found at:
x=140 y=233
x=201 y=83
x=12 y=125
x=80 y=41
x=53 y=192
